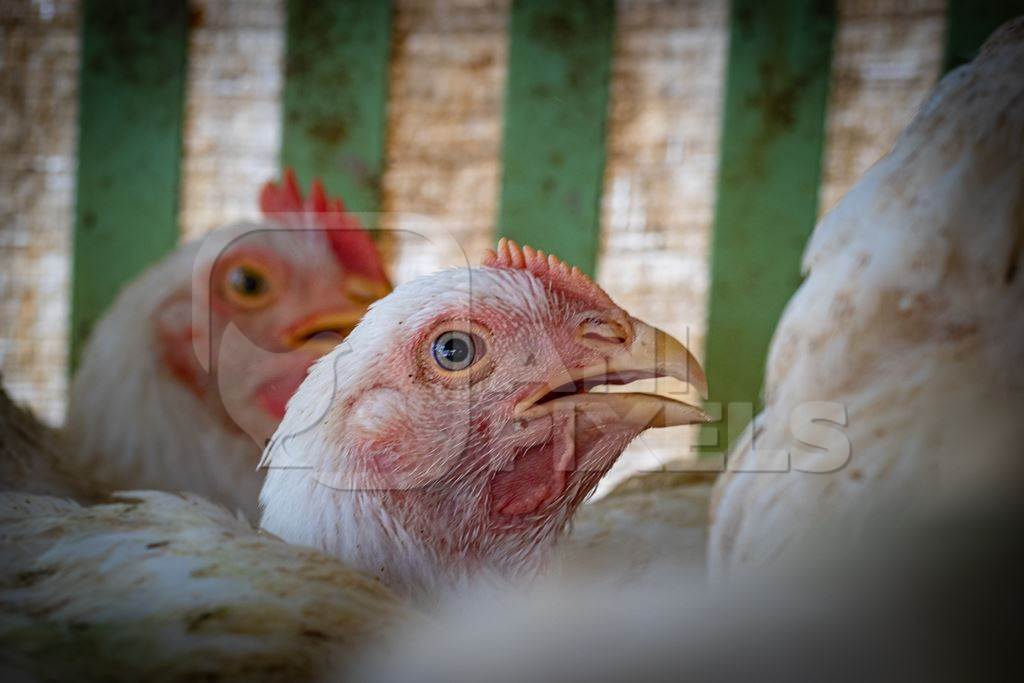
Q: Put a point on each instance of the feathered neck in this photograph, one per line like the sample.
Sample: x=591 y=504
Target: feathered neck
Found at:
x=132 y=425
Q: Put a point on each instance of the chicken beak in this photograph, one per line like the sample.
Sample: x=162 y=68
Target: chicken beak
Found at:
x=661 y=354
x=651 y=353
x=322 y=332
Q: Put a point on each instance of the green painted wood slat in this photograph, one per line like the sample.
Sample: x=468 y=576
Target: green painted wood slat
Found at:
x=970 y=22
x=556 y=107
x=771 y=154
x=131 y=99
x=335 y=96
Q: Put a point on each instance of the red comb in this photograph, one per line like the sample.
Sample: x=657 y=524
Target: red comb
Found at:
x=549 y=268
x=351 y=243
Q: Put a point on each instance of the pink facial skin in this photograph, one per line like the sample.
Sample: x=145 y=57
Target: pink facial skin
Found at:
x=447 y=452
x=270 y=305
x=282 y=293
x=460 y=427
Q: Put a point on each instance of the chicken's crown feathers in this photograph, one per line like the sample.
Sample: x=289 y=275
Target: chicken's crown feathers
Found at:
x=351 y=243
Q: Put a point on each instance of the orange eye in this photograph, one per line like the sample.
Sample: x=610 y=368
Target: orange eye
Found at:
x=248 y=286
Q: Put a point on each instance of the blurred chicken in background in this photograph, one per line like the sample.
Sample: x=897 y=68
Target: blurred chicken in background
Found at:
x=188 y=374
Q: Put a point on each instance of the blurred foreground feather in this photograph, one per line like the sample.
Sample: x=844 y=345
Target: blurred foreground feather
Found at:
x=937 y=601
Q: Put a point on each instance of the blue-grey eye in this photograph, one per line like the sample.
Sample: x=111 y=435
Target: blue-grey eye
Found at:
x=455 y=350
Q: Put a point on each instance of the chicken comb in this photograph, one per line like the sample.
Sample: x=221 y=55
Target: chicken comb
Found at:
x=547 y=267
x=351 y=243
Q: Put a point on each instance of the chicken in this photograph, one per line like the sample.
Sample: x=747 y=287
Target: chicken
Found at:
x=188 y=373
x=812 y=359
x=453 y=434
x=907 y=336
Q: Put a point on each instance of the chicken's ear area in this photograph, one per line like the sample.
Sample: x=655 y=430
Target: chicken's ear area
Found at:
x=173 y=334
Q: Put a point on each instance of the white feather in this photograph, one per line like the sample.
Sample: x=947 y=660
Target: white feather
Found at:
x=910 y=318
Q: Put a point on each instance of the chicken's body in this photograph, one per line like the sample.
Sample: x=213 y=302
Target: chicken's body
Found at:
x=930 y=601
x=654 y=519
x=907 y=326
x=160 y=586
x=910 y=321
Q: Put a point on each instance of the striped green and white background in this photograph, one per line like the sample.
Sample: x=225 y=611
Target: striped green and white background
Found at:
x=679 y=150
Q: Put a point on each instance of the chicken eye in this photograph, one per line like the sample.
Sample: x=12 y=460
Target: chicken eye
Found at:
x=247 y=286
x=456 y=350
x=247 y=282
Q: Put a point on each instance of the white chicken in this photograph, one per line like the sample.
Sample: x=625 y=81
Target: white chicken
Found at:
x=155 y=585
x=458 y=417
x=930 y=601
x=909 y=324
x=903 y=327
x=187 y=375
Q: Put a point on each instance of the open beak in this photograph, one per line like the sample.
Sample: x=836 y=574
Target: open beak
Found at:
x=323 y=331
x=651 y=354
